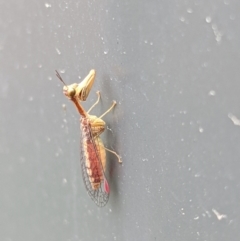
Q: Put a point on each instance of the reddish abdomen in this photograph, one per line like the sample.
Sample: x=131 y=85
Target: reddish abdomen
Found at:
x=92 y=156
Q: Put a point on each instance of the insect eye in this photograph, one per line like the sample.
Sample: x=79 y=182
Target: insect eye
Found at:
x=71 y=92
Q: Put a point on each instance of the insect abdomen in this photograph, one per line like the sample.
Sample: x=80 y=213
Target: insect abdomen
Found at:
x=94 y=153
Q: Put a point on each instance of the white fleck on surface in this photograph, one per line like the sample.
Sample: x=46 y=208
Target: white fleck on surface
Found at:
x=212 y=93
x=64 y=181
x=64 y=107
x=218 y=34
x=182 y=19
x=47 y=5
x=201 y=129
x=108 y=128
x=208 y=214
x=182 y=211
x=234 y=119
x=65 y=221
x=197 y=175
x=208 y=19
x=58 y=51
x=218 y=215
x=226 y=2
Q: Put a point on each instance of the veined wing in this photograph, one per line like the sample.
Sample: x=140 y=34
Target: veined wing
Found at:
x=92 y=169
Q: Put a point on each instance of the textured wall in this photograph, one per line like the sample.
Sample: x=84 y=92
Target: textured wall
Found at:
x=173 y=68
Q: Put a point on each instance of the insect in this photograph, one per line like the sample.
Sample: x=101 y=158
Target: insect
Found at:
x=93 y=158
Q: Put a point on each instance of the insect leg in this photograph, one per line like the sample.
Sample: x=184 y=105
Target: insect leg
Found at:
x=113 y=104
x=98 y=94
x=113 y=152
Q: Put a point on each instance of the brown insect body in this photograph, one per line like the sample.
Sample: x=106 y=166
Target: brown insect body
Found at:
x=93 y=161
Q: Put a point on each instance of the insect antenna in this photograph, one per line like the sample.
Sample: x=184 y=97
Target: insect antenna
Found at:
x=59 y=76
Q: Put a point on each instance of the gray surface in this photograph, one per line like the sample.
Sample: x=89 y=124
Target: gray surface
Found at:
x=173 y=67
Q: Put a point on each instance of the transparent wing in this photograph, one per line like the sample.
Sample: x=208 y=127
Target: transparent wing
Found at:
x=92 y=169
